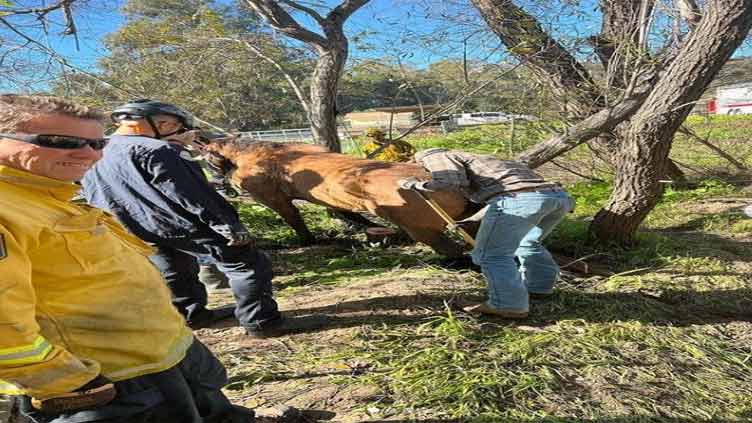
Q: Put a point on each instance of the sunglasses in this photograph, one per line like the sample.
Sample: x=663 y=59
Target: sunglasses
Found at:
x=65 y=142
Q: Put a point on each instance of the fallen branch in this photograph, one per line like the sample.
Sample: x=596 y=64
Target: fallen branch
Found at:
x=591 y=178
x=688 y=132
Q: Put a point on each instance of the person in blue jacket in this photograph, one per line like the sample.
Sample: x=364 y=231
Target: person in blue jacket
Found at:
x=148 y=180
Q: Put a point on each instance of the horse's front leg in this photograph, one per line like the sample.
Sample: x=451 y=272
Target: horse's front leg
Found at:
x=292 y=217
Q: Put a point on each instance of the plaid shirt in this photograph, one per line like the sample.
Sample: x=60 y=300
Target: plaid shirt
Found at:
x=478 y=177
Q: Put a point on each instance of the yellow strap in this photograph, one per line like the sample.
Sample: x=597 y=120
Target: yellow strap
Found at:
x=25 y=354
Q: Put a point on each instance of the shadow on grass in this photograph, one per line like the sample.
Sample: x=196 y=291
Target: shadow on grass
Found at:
x=671 y=308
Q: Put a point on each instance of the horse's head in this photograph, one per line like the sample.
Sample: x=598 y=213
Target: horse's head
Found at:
x=214 y=153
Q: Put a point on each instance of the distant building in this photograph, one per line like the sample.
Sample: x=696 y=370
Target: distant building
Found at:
x=733 y=99
x=407 y=116
x=380 y=117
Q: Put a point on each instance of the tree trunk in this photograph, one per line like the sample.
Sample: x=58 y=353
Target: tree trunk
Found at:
x=644 y=153
x=636 y=187
x=331 y=49
x=324 y=82
x=578 y=95
x=547 y=59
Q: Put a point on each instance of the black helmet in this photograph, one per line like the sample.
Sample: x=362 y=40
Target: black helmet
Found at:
x=146 y=109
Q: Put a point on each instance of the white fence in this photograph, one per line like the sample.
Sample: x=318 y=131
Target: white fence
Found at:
x=298 y=135
x=288 y=135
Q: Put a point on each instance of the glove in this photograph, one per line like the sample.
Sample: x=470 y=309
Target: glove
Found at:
x=97 y=392
x=408 y=183
x=237 y=235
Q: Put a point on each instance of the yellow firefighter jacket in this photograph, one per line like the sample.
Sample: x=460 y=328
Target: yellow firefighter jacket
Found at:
x=78 y=295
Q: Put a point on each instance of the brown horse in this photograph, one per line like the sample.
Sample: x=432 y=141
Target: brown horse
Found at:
x=274 y=174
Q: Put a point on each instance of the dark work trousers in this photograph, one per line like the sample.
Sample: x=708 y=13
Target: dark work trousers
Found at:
x=248 y=270
x=189 y=392
x=211 y=277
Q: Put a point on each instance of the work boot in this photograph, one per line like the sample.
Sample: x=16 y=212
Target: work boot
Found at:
x=287 y=325
x=207 y=318
x=484 y=308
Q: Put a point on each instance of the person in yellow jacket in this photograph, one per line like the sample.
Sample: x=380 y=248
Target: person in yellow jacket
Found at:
x=87 y=329
x=397 y=151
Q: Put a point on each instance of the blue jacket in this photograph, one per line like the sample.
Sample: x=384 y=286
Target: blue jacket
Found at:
x=156 y=193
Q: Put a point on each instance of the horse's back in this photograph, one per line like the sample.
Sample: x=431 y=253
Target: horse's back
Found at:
x=348 y=182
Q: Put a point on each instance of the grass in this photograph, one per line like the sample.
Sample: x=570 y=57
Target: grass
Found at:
x=572 y=368
x=340 y=264
x=273 y=230
x=667 y=338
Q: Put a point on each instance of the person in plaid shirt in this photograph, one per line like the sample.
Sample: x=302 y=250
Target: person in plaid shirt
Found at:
x=523 y=210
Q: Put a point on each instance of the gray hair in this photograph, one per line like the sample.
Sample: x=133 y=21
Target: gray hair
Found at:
x=16 y=110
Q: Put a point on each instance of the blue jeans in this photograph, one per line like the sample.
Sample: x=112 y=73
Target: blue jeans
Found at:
x=248 y=270
x=514 y=226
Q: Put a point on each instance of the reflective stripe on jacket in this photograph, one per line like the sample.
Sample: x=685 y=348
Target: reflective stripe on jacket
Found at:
x=78 y=295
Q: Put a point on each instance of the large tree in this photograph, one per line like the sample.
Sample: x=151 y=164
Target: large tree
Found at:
x=331 y=48
x=646 y=93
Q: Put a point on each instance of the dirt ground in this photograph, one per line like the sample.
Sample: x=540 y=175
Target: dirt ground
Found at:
x=352 y=308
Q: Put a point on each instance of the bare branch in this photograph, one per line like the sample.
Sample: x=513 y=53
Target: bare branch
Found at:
x=290 y=80
x=307 y=10
x=601 y=122
x=280 y=20
x=41 y=11
x=445 y=109
x=689 y=11
x=22 y=35
x=688 y=132
x=344 y=10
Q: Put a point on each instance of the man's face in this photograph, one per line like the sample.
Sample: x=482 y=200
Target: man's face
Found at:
x=167 y=124
x=61 y=164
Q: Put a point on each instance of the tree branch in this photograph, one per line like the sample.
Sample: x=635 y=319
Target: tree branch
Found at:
x=446 y=108
x=290 y=80
x=41 y=11
x=524 y=37
x=601 y=122
x=688 y=132
x=307 y=10
x=280 y=20
x=689 y=11
x=344 y=10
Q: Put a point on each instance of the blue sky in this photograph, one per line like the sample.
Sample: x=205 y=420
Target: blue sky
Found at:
x=417 y=31
x=392 y=28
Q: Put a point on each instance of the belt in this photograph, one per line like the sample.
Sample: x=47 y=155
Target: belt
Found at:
x=514 y=192
x=532 y=189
